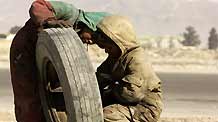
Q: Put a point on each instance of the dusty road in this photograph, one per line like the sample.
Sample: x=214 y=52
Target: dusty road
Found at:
x=184 y=94
x=6 y=93
x=190 y=94
x=6 y=97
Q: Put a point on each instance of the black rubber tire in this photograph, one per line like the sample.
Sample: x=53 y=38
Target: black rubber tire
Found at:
x=64 y=49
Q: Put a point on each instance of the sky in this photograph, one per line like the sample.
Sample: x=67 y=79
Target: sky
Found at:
x=13 y=12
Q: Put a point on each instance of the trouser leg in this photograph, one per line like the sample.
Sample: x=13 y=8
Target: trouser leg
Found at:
x=139 y=113
x=118 y=113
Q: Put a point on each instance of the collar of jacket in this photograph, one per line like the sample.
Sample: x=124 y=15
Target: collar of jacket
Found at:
x=121 y=58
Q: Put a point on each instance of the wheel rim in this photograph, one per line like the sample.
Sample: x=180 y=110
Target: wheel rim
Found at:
x=53 y=93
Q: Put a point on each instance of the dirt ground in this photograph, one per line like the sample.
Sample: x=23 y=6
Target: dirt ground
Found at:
x=9 y=117
x=189 y=119
x=4 y=50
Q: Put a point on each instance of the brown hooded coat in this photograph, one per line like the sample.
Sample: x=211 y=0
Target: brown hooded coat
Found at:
x=138 y=86
x=23 y=68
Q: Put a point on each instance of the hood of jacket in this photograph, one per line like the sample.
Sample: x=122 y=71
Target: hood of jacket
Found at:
x=120 y=30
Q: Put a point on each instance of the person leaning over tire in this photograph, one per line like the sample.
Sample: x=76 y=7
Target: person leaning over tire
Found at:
x=130 y=89
x=43 y=14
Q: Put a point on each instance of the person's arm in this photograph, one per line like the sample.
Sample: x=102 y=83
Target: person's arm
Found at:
x=64 y=10
x=129 y=89
x=127 y=93
x=103 y=74
x=138 y=81
x=66 y=14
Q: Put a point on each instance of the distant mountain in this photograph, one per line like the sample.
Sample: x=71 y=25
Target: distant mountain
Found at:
x=152 y=17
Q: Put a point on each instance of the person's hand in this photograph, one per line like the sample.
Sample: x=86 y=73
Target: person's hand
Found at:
x=87 y=41
x=57 y=23
x=86 y=36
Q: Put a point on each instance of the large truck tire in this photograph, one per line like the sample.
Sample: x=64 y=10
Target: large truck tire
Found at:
x=67 y=84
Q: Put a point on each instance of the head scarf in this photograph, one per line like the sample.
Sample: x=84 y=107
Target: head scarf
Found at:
x=91 y=19
x=66 y=11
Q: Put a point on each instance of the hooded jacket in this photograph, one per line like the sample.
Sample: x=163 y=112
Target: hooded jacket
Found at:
x=138 y=83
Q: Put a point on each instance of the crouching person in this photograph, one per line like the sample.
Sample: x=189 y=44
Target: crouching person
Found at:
x=130 y=89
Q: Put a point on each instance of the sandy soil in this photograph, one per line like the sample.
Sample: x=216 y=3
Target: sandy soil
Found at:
x=4 y=49
x=189 y=119
x=4 y=53
x=9 y=117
